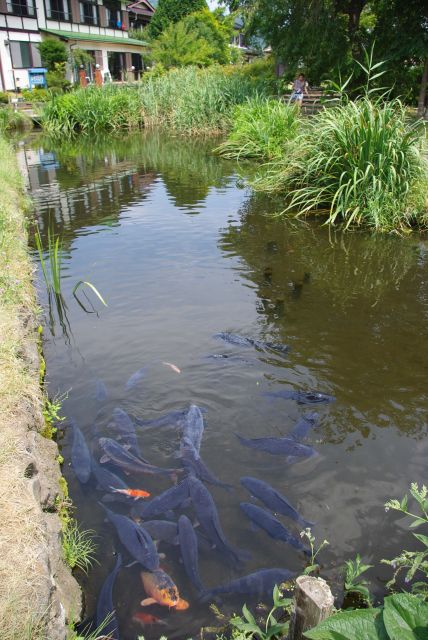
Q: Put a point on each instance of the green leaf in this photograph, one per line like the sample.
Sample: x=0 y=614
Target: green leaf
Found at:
x=406 y=617
x=310 y=569
x=417 y=522
x=422 y=538
x=362 y=624
x=91 y=286
x=248 y=615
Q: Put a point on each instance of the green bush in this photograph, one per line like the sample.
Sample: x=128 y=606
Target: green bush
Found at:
x=4 y=97
x=37 y=94
x=11 y=119
x=260 y=129
x=360 y=163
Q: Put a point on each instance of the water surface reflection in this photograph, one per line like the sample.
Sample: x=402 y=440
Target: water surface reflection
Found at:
x=352 y=307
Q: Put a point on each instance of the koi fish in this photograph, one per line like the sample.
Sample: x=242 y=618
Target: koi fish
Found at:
x=161 y=590
x=147 y=618
x=132 y=493
x=172 y=366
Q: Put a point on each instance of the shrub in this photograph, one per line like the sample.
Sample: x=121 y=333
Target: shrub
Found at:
x=260 y=129
x=11 y=119
x=56 y=79
x=360 y=162
x=4 y=97
x=37 y=94
x=52 y=52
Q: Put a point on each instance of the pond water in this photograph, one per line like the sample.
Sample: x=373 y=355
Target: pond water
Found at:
x=181 y=251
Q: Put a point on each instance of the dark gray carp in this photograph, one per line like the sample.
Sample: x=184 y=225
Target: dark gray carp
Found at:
x=273 y=527
x=106 y=479
x=135 y=539
x=189 y=551
x=301 y=397
x=273 y=499
x=193 y=427
x=101 y=393
x=80 y=455
x=162 y=530
x=304 y=425
x=242 y=341
x=169 y=499
x=105 y=606
x=119 y=456
x=126 y=429
x=207 y=514
x=259 y=584
x=278 y=446
x=135 y=378
x=194 y=465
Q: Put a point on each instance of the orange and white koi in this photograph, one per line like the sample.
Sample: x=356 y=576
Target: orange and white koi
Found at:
x=162 y=590
x=132 y=493
x=147 y=618
x=172 y=366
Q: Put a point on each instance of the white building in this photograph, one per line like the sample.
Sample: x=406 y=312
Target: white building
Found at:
x=98 y=26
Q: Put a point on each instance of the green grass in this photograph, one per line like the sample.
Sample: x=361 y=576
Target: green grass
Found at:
x=360 y=163
x=11 y=119
x=187 y=100
x=261 y=128
x=78 y=546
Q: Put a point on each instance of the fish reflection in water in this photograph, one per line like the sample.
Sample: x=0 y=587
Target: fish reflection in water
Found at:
x=189 y=551
x=301 y=397
x=242 y=341
x=279 y=446
x=119 y=456
x=80 y=455
x=258 y=584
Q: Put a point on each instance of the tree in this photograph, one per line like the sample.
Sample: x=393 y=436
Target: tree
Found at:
x=52 y=52
x=201 y=38
x=402 y=40
x=171 y=11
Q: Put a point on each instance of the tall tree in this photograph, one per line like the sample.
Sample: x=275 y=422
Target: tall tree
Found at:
x=171 y=11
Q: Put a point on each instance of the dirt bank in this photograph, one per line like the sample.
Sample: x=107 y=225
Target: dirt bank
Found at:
x=38 y=594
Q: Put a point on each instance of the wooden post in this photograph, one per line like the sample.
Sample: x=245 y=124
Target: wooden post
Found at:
x=313 y=602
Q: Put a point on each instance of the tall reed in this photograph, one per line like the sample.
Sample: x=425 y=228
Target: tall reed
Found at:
x=187 y=100
x=260 y=129
x=360 y=163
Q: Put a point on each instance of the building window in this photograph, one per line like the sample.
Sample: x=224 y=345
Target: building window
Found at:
x=113 y=14
x=24 y=55
x=88 y=13
x=57 y=10
x=23 y=8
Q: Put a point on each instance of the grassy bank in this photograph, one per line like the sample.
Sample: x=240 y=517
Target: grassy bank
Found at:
x=28 y=549
x=187 y=100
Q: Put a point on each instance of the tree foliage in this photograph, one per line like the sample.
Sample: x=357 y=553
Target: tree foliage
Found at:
x=172 y=11
x=198 y=39
x=52 y=52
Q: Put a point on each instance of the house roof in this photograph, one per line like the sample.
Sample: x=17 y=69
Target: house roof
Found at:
x=92 y=37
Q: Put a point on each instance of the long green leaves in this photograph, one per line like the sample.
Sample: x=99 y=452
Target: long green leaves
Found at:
x=260 y=129
x=51 y=273
x=361 y=163
x=187 y=100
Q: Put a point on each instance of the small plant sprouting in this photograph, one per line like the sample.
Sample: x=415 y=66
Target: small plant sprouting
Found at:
x=78 y=546
x=353 y=585
x=313 y=565
x=97 y=634
x=412 y=561
x=272 y=628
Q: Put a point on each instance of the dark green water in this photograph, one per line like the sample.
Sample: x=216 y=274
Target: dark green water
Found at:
x=180 y=252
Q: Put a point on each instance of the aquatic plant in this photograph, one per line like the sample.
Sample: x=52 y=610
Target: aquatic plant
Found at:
x=11 y=119
x=78 y=546
x=87 y=634
x=51 y=273
x=272 y=627
x=261 y=128
x=412 y=562
x=187 y=100
x=359 y=164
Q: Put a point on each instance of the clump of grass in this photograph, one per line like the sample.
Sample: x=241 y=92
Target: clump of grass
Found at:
x=11 y=119
x=78 y=546
x=187 y=100
x=359 y=163
x=261 y=127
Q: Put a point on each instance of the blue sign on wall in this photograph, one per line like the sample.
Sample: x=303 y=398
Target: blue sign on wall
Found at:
x=37 y=77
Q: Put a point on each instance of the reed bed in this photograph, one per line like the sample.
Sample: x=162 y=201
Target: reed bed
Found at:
x=188 y=101
x=261 y=127
x=360 y=163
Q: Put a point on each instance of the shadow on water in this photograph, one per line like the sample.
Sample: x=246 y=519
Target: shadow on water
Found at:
x=352 y=307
